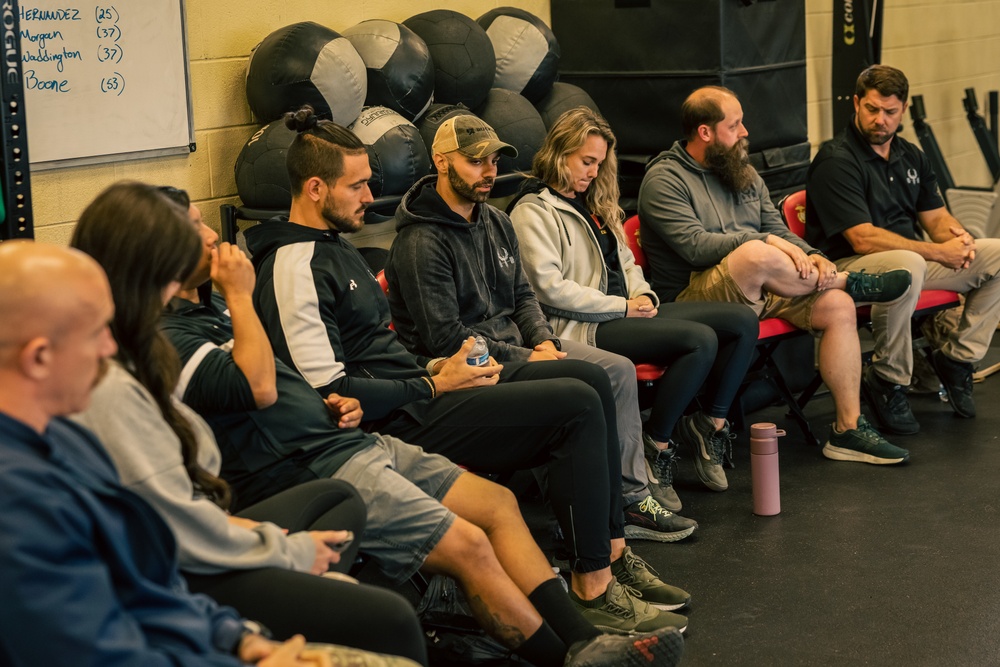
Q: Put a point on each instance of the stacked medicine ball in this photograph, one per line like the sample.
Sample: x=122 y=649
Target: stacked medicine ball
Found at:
x=394 y=84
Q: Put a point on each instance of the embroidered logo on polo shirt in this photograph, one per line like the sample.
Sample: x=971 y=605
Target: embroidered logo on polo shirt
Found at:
x=352 y=285
x=912 y=177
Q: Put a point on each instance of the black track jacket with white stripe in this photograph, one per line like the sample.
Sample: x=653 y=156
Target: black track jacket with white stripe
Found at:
x=327 y=317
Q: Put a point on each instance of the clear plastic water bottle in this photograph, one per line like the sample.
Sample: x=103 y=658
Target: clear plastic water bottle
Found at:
x=479 y=355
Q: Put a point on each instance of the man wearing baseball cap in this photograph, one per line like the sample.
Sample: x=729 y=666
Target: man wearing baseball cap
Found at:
x=454 y=271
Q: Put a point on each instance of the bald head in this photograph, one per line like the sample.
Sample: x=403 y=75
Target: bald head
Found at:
x=43 y=287
x=55 y=304
x=704 y=107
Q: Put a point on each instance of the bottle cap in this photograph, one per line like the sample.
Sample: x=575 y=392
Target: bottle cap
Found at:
x=764 y=438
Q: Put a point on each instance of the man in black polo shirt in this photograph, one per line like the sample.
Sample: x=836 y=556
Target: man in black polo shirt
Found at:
x=872 y=197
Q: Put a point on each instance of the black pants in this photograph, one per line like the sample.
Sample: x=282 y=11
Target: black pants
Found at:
x=557 y=413
x=324 y=610
x=700 y=343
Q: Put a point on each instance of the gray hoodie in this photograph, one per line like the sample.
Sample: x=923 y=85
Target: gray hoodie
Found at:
x=689 y=220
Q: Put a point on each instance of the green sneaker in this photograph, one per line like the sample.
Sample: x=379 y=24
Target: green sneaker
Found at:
x=621 y=610
x=878 y=287
x=863 y=444
x=709 y=446
x=660 y=465
x=632 y=571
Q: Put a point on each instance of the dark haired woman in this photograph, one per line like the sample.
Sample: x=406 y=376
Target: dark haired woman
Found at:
x=569 y=225
x=167 y=454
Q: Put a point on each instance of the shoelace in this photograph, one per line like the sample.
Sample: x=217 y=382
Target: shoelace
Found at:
x=633 y=562
x=650 y=505
x=868 y=432
x=721 y=446
x=628 y=593
x=896 y=402
x=864 y=283
x=664 y=465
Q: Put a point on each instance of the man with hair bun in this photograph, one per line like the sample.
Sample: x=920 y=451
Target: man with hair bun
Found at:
x=874 y=203
x=711 y=233
x=326 y=316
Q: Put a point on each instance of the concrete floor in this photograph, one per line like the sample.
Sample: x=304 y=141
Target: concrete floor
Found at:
x=865 y=565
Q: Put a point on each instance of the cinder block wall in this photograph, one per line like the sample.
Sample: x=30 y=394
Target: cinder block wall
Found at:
x=221 y=34
x=944 y=47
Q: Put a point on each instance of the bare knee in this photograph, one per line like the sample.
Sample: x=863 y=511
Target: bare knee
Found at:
x=755 y=260
x=834 y=309
x=463 y=548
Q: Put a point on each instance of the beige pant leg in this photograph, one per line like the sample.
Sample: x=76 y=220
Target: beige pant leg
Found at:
x=981 y=285
x=893 y=354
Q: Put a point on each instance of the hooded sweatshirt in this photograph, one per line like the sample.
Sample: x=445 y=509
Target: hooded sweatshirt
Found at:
x=689 y=220
x=565 y=264
x=450 y=279
x=327 y=317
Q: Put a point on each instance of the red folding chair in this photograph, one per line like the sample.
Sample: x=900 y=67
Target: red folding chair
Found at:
x=793 y=210
x=772 y=332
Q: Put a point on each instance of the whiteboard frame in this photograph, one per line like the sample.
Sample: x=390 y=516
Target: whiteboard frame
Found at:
x=145 y=154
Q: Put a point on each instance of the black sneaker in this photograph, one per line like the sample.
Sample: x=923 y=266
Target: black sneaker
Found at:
x=878 y=287
x=957 y=379
x=888 y=403
x=647 y=520
x=863 y=444
x=662 y=647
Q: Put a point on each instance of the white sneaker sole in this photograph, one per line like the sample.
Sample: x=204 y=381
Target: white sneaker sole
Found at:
x=840 y=454
x=639 y=533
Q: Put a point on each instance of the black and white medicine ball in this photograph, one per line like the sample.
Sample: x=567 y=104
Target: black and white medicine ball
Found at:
x=429 y=123
x=400 y=69
x=562 y=98
x=526 y=49
x=464 y=63
x=396 y=152
x=517 y=123
x=306 y=63
x=261 y=174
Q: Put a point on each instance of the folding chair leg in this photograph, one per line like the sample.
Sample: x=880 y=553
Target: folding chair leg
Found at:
x=793 y=405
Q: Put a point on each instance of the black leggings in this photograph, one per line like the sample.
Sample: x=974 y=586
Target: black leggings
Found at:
x=700 y=343
x=557 y=413
x=322 y=609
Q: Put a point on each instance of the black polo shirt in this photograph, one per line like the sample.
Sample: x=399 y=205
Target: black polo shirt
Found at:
x=264 y=451
x=850 y=184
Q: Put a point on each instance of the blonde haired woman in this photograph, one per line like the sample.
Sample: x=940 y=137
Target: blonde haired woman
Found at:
x=569 y=225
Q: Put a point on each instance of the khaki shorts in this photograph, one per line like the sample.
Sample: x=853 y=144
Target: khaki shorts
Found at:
x=717 y=284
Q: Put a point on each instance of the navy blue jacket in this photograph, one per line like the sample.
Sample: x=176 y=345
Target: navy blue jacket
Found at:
x=88 y=570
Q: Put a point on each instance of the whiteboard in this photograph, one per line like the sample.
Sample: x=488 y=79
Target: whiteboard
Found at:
x=104 y=81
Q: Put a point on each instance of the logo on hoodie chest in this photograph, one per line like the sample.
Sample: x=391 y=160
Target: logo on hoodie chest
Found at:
x=504 y=257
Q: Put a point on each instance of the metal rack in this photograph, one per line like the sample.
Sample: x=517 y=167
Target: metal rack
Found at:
x=16 y=219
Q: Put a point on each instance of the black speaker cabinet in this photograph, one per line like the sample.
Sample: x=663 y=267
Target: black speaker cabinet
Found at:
x=639 y=59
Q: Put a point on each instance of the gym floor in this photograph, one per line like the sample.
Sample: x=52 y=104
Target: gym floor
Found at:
x=865 y=565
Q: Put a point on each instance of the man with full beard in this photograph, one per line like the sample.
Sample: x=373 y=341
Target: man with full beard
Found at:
x=711 y=233
x=872 y=197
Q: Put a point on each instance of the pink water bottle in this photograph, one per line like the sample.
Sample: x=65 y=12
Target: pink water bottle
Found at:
x=764 y=468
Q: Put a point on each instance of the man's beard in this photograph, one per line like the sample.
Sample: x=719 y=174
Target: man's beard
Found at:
x=467 y=191
x=731 y=165
x=875 y=139
x=338 y=222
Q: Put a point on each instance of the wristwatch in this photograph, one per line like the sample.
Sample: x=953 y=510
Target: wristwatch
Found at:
x=251 y=628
